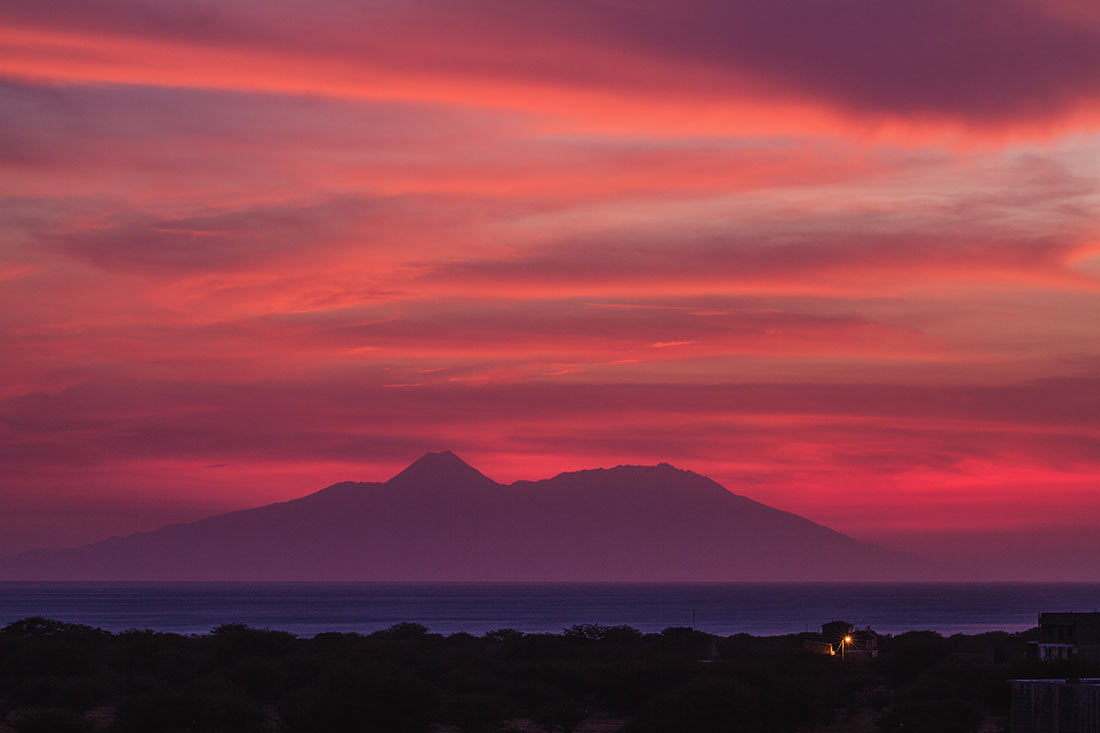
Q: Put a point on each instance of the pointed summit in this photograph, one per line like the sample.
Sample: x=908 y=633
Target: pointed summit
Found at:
x=443 y=470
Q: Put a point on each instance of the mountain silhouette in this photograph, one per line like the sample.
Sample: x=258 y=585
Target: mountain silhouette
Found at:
x=442 y=520
x=444 y=469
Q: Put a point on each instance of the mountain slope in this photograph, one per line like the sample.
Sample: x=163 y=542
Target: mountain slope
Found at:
x=441 y=519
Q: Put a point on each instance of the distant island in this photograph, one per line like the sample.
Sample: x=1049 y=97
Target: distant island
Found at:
x=442 y=520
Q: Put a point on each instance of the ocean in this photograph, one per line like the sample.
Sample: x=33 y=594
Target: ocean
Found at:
x=306 y=609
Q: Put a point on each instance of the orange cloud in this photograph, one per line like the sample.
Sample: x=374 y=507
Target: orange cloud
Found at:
x=850 y=273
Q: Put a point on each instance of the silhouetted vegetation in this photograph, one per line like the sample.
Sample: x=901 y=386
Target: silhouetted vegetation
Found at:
x=65 y=677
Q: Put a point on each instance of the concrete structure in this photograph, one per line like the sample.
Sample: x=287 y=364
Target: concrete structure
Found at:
x=819 y=647
x=1056 y=706
x=1068 y=635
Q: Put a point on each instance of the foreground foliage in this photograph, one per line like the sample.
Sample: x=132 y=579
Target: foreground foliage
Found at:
x=64 y=677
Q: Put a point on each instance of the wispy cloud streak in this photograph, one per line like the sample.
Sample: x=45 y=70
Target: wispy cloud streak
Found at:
x=843 y=257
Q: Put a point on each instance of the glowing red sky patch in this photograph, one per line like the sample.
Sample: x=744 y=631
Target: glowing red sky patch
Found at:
x=844 y=259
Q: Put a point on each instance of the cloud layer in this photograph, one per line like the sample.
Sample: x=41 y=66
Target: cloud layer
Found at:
x=841 y=256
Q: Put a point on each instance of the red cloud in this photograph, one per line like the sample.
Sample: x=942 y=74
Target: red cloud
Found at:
x=984 y=62
x=802 y=248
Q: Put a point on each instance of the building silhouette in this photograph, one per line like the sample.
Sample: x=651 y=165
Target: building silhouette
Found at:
x=840 y=638
x=1068 y=636
x=1056 y=706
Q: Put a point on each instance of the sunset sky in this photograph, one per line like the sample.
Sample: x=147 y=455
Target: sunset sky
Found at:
x=843 y=257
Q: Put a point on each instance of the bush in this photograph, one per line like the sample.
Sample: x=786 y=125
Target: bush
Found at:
x=932 y=716
x=189 y=710
x=387 y=701
x=52 y=720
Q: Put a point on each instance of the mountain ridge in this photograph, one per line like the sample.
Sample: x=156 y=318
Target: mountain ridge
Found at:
x=440 y=519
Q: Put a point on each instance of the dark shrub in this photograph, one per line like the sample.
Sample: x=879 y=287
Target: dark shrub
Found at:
x=188 y=710
x=371 y=701
x=52 y=720
x=932 y=716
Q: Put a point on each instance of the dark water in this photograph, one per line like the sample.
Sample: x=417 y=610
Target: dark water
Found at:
x=719 y=608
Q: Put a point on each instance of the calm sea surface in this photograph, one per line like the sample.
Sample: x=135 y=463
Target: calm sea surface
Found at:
x=720 y=608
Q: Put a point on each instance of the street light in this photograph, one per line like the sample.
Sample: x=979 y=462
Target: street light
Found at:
x=844 y=644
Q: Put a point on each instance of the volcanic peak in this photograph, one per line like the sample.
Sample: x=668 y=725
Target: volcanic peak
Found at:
x=442 y=469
